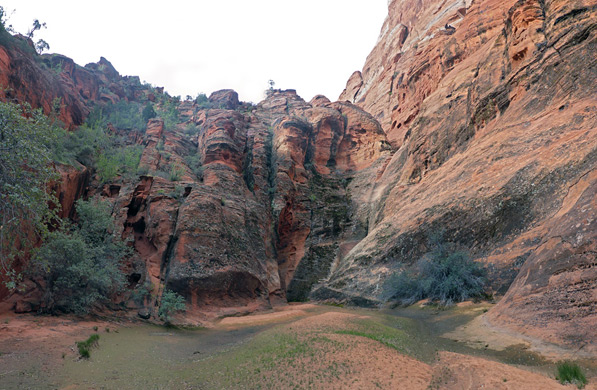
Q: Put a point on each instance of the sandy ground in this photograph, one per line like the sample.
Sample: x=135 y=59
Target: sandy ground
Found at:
x=455 y=372
x=480 y=332
x=32 y=347
x=328 y=350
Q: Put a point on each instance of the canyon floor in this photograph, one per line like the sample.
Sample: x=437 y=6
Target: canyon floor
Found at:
x=293 y=347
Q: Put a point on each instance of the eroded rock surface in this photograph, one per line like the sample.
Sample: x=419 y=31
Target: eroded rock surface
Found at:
x=482 y=126
x=492 y=107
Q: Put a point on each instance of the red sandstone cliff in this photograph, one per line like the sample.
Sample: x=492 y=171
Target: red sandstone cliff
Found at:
x=492 y=106
x=482 y=124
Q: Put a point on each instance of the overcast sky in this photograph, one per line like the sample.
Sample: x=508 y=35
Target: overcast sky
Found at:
x=312 y=46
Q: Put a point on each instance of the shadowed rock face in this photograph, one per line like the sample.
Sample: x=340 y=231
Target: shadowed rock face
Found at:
x=492 y=107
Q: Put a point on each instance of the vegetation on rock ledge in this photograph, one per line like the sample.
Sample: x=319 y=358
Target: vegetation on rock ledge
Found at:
x=80 y=264
x=26 y=153
x=444 y=276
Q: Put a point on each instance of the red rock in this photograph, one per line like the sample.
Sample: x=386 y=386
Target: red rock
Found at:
x=319 y=101
x=490 y=111
x=494 y=121
x=225 y=99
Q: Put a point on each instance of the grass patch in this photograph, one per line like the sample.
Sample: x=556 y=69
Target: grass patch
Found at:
x=85 y=346
x=568 y=372
x=393 y=337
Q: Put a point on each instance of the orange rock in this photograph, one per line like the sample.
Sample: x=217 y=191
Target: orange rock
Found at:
x=491 y=105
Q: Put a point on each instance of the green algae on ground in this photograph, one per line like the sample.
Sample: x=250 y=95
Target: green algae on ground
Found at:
x=269 y=356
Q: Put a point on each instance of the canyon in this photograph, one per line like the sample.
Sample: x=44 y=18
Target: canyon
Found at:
x=476 y=119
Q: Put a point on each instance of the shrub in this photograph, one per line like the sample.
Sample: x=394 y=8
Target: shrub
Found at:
x=123 y=160
x=142 y=292
x=142 y=170
x=176 y=173
x=191 y=129
x=85 y=346
x=124 y=115
x=171 y=303
x=168 y=110
x=443 y=276
x=80 y=264
x=27 y=138
x=568 y=372
x=193 y=161
x=148 y=112
x=107 y=167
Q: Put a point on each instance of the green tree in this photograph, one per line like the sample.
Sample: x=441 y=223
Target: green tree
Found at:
x=148 y=112
x=4 y=18
x=37 y=25
x=26 y=141
x=170 y=304
x=41 y=46
x=80 y=264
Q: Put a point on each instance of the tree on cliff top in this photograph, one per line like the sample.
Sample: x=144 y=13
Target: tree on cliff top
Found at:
x=26 y=139
x=4 y=18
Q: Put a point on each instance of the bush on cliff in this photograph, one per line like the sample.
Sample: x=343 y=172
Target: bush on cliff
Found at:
x=443 y=276
x=93 y=147
x=80 y=264
x=26 y=142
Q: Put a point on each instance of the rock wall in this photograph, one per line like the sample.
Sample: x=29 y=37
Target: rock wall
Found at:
x=491 y=105
x=267 y=198
x=482 y=126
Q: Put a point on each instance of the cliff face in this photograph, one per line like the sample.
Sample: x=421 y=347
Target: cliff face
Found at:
x=474 y=119
x=492 y=107
x=270 y=209
x=55 y=84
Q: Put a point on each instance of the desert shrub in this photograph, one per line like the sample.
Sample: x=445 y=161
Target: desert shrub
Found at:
x=107 y=167
x=125 y=115
x=142 y=292
x=85 y=346
x=27 y=138
x=176 y=173
x=93 y=147
x=201 y=99
x=142 y=170
x=191 y=129
x=160 y=173
x=177 y=193
x=114 y=161
x=193 y=161
x=148 y=112
x=170 y=304
x=80 y=263
x=568 y=372
x=168 y=111
x=444 y=276
x=82 y=145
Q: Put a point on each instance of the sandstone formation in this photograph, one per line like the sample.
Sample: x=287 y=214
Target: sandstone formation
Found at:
x=476 y=120
x=491 y=105
x=56 y=84
x=267 y=212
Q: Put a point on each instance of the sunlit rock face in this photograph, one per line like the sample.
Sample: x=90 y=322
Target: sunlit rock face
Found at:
x=491 y=106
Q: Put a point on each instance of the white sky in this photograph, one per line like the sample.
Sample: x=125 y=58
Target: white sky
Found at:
x=312 y=46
